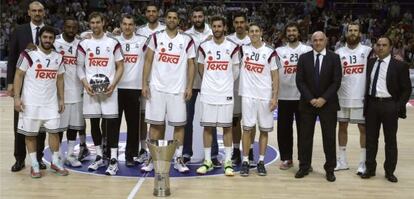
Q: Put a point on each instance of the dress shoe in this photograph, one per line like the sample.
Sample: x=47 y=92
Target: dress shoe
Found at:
x=368 y=174
x=301 y=173
x=18 y=165
x=391 y=177
x=129 y=162
x=330 y=176
x=42 y=165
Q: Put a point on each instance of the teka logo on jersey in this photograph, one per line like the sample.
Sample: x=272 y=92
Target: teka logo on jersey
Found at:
x=353 y=69
x=69 y=60
x=45 y=73
x=217 y=65
x=253 y=67
x=130 y=58
x=289 y=69
x=168 y=58
x=98 y=61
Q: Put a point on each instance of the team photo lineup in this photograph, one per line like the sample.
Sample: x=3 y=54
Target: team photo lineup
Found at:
x=153 y=74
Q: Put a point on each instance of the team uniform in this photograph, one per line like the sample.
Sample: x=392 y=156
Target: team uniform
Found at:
x=72 y=117
x=237 y=99
x=39 y=92
x=218 y=81
x=256 y=86
x=129 y=89
x=168 y=78
x=288 y=99
x=94 y=57
x=351 y=93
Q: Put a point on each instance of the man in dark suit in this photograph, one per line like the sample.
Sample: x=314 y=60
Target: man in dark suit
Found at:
x=388 y=90
x=20 y=39
x=318 y=78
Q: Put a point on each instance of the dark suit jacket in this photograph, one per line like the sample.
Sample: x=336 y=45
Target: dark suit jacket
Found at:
x=398 y=84
x=329 y=81
x=19 y=40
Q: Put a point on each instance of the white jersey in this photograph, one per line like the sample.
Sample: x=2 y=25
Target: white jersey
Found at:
x=169 y=66
x=287 y=75
x=98 y=56
x=354 y=64
x=218 y=81
x=39 y=86
x=134 y=51
x=73 y=86
x=255 y=73
x=146 y=31
x=199 y=37
x=240 y=42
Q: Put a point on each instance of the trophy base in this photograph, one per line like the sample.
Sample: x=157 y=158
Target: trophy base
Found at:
x=161 y=192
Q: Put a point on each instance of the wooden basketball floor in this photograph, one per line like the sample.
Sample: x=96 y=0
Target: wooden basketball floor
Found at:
x=277 y=184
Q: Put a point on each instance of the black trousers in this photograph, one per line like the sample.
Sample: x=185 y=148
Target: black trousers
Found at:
x=128 y=103
x=385 y=113
x=20 y=144
x=327 y=120
x=287 y=113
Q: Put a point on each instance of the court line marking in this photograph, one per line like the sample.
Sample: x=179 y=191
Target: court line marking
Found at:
x=137 y=187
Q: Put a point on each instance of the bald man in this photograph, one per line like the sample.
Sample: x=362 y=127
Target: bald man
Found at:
x=318 y=79
x=23 y=36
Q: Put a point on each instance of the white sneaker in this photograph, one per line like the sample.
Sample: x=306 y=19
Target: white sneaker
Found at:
x=142 y=157
x=98 y=162
x=112 y=168
x=361 y=168
x=341 y=165
x=148 y=166
x=72 y=161
x=180 y=165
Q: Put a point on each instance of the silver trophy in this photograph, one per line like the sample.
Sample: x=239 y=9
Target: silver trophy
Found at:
x=162 y=152
x=99 y=83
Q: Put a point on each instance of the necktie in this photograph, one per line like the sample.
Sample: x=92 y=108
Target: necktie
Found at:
x=317 y=72
x=374 y=82
x=37 y=36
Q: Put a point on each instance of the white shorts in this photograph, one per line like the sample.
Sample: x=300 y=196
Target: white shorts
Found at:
x=237 y=108
x=31 y=127
x=351 y=115
x=100 y=106
x=257 y=111
x=216 y=115
x=161 y=104
x=72 y=117
x=142 y=104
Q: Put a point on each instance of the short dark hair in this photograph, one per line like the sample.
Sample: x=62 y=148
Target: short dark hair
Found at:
x=239 y=14
x=127 y=16
x=70 y=18
x=198 y=9
x=354 y=24
x=218 y=18
x=289 y=25
x=48 y=29
x=171 y=10
x=95 y=15
x=386 y=37
x=255 y=24
x=151 y=4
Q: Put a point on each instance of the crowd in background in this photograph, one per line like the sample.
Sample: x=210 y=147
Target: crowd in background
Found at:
x=376 y=18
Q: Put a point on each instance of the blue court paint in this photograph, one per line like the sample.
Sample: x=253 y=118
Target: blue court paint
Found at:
x=271 y=156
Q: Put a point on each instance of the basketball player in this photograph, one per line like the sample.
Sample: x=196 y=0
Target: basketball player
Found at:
x=129 y=88
x=288 y=93
x=42 y=98
x=219 y=63
x=354 y=57
x=100 y=58
x=71 y=120
x=241 y=38
x=259 y=82
x=167 y=83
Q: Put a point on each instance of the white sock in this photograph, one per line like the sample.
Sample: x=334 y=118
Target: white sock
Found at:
x=363 y=155
x=207 y=154
x=71 y=146
x=114 y=153
x=82 y=139
x=99 y=150
x=55 y=157
x=245 y=158
x=342 y=153
x=33 y=158
x=251 y=146
x=61 y=153
x=179 y=151
x=261 y=158
x=228 y=151
x=143 y=144
x=236 y=146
